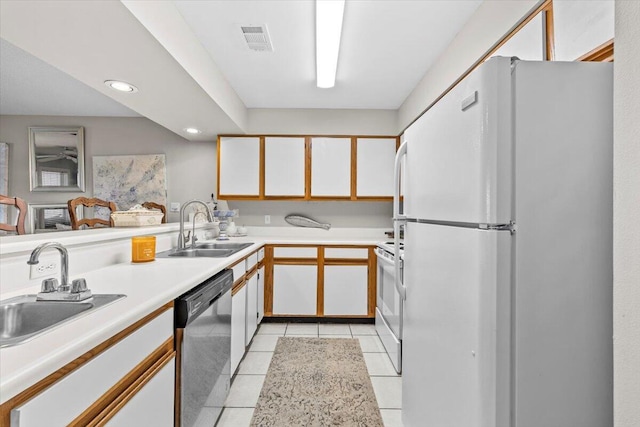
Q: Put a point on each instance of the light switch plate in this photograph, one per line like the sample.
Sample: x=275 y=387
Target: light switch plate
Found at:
x=175 y=207
x=267 y=219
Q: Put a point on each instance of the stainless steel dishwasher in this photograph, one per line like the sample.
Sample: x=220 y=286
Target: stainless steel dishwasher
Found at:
x=203 y=343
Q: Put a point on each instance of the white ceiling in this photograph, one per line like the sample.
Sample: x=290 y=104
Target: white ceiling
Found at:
x=386 y=48
x=188 y=60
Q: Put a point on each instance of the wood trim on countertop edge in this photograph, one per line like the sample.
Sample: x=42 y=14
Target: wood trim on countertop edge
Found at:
x=602 y=53
x=94 y=413
x=54 y=377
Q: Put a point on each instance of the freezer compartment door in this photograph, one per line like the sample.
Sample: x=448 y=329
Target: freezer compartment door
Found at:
x=458 y=165
x=456 y=334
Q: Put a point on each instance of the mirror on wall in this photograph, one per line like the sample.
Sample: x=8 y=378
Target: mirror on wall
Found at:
x=47 y=217
x=56 y=159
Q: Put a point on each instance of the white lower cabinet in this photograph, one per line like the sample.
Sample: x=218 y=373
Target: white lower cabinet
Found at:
x=238 y=328
x=252 y=308
x=260 y=294
x=295 y=289
x=153 y=404
x=345 y=290
x=68 y=398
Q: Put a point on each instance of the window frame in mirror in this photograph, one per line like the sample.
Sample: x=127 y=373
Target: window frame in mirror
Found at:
x=33 y=214
x=33 y=170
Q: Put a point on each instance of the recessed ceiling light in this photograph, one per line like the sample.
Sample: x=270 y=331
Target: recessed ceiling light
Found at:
x=121 y=86
x=192 y=131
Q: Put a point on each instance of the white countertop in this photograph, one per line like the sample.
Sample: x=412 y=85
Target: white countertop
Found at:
x=148 y=286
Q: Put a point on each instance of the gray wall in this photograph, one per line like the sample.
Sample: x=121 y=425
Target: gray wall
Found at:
x=191 y=166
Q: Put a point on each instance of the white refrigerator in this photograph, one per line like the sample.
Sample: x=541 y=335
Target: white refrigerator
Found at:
x=508 y=250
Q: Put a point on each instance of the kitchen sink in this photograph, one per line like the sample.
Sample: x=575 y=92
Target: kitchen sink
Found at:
x=22 y=318
x=211 y=250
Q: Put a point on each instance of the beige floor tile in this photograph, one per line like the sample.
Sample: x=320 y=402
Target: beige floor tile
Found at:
x=264 y=343
x=236 y=417
x=391 y=417
x=331 y=329
x=370 y=344
x=255 y=363
x=244 y=391
x=302 y=328
x=302 y=335
x=388 y=391
x=379 y=364
x=367 y=329
x=272 y=329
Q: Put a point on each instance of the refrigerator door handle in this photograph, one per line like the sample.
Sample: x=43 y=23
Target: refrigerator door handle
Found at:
x=398 y=218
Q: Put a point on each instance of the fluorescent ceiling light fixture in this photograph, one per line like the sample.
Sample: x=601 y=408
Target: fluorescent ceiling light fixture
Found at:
x=121 y=86
x=329 y=15
x=192 y=131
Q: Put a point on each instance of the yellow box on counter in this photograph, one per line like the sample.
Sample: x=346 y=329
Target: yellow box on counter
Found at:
x=136 y=218
x=143 y=248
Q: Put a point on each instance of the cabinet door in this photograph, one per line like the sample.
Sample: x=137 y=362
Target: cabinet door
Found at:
x=238 y=329
x=260 y=294
x=152 y=405
x=375 y=161
x=330 y=167
x=528 y=43
x=284 y=162
x=239 y=164
x=295 y=289
x=345 y=290
x=581 y=26
x=252 y=308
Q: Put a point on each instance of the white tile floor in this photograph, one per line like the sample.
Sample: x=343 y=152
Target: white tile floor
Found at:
x=246 y=387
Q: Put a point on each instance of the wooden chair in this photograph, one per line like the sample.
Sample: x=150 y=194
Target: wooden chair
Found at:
x=19 y=204
x=152 y=205
x=89 y=203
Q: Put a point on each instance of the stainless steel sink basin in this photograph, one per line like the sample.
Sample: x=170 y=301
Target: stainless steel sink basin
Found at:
x=22 y=318
x=211 y=250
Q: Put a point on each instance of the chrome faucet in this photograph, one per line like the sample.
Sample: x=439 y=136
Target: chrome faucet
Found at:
x=182 y=239
x=50 y=291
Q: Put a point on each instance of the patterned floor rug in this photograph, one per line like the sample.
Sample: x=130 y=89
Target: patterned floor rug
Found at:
x=317 y=382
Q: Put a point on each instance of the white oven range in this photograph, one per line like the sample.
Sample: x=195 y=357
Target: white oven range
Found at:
x=389 y=303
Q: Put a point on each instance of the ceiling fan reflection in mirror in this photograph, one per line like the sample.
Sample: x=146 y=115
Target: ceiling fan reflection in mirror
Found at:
x=65 y=154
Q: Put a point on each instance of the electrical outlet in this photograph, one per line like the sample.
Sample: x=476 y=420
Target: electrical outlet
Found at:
x=174 y=207
x=43 y=269
x=267 y=219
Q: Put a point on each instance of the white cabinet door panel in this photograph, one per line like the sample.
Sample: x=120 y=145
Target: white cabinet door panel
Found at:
x=260 y=294
x=330 y=167
x=238 y=320
x=375 y=159
x=581 y=26
x=252 y=308
x=240 y=166
x=152 y=405
x=81 y=388
x=345 y=289
x=284 y=160
x=295 y=289
x=528 y=43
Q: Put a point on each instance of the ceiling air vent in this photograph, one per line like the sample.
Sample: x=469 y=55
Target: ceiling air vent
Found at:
x=257 y=37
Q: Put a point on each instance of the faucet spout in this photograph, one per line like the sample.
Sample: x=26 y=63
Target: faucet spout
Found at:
x=64 y=262
x=181 y=238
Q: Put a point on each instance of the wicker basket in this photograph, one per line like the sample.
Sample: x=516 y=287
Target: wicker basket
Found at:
x=136 y=218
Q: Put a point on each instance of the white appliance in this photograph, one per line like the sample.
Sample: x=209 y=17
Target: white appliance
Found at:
x=389 y=302
x=508 y=250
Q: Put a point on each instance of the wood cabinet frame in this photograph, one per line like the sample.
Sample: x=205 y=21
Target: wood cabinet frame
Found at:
x=320 y=261
x=119 y=394
x=307 y=184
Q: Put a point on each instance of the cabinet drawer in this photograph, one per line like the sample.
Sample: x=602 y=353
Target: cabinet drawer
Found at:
x=238 y=270
x=260 y=254
x=295 y=252
x=65 y=400
x=251 y=261
x=346 y=253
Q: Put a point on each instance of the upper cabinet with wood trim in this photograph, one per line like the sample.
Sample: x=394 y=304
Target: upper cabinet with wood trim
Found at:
x=528 y=43
x=331 y=167
x=284 y=166
x=239 y=167
x=374 y=167
x=581 y=26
